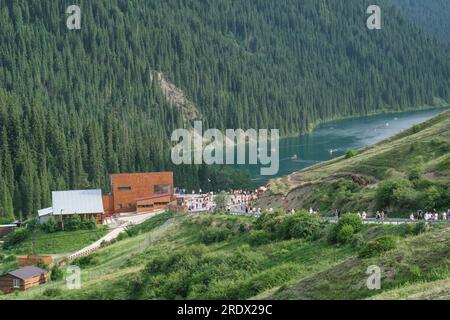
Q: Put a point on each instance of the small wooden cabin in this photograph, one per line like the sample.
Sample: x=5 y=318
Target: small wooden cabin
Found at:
x=23 y=279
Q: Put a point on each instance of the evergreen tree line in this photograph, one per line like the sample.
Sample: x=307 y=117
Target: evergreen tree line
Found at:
x=78 y=105
x=432 y=15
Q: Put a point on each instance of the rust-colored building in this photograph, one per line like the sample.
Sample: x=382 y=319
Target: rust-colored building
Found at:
x=23 y=279
x=139 y=192
x=32 y=260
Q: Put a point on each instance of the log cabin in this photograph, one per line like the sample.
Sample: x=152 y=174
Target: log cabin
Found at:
x=23 y=279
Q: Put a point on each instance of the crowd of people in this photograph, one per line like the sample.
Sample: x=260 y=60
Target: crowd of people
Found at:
x=420 y=215
x=238 y=201
x=431 y=216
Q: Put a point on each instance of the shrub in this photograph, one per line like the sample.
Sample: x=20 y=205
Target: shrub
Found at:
x=357 y=240
x=352 y=220
x=16 y=237
x=303 y=225
x=73 y=223
x=351 y=153
x=279 y=225
x=33 y=224
x=52 y=292
x=344 y=235
x=214 y=234
x=259 y=237
x=122 y=236
x=89 y=224
x=378 y=246
x=86 y=261
x=396 y=193
x=415 y=174
x=431 y=197
x=56 y=274
x=419 y=228
x=50 y=226
x=270 y=221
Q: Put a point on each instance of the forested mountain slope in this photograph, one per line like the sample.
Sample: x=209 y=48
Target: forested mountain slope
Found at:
x=77 y=105
x=432 y=15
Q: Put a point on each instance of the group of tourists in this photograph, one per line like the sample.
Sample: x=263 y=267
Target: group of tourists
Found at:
x=420 y=215
x=431 y=216
x=238 y=201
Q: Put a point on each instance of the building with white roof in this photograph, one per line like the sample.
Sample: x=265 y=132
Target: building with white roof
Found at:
x=86 y=203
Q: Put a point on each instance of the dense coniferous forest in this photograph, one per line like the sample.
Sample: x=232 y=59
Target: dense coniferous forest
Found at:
x=432 y=15
x=76 y=105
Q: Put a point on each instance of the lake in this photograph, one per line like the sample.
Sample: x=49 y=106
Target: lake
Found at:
x=299 y=152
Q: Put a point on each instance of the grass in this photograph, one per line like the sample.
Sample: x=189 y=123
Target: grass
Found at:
x=232 y=268
x=40 y=242
x=169 y=261
x=416 y=260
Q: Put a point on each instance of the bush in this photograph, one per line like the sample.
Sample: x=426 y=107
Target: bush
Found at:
x=259 y=237
x=357 y=240
x=351 y=219
x=396 y=193
x=345 y=234
x=214 y=234
x=122 y=236
x=270 y=221
x=431 y=197
x=350 y=154
x=282 y=226
x=51 y=225
x=16 y=237
x=86 y=261
x=73 y=223
x=419 y=228
x=56 y=274
x=52 y=292
x=33 y=224
x=302 y=225
x=378 y=246
x=89 y=224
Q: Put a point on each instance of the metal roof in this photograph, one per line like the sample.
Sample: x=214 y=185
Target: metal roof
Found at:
x=27 y=272
x=77 y=202
x=44 y=212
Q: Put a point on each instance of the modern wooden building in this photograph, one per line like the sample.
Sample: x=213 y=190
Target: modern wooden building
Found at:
x=139 y=192
x=23 y=279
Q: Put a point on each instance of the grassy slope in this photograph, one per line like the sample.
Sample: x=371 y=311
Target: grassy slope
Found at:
x=418 y=268
x=427 y=144
x=40 y=242
x=294 y=269
x=116 y=267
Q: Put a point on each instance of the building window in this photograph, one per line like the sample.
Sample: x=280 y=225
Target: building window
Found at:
x=120 y=206
x=16 y=283
x=124 y=188
x=130 y=206
x=163 y=188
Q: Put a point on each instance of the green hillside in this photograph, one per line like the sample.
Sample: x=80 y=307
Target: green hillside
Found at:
x=276 y=256
x=77 y=105
x=407 y=172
